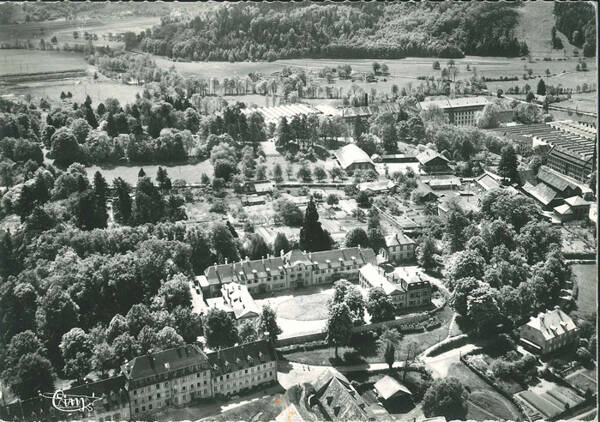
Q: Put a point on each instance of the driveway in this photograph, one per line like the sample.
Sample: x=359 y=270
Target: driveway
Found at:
x=440 y=364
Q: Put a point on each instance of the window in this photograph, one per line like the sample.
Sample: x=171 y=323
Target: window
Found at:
x=137 y=410
x=158 y=395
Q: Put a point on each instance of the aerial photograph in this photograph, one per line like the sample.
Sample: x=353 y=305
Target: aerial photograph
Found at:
x=298 y=211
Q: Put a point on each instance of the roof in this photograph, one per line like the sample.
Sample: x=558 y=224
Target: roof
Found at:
x=487 y=182
x=291 y=414
x=552 y=323
x=239 y=357
x=397 y=239
x=340 y=400
x=241 y=271
x=563 y=209
x=577 y=201
x=112 y=390
x=375 y=277
x=379 y=186
x=447 y=181
x=351 y=154
x=369 y=110
x=388 y=387
x=424 y=189
x=428 y=155
x=239 y=300
x=541 y=192
x=152 y=364
x=326 y=376
x=263 y=186
x=554 y=180
x=450 y=103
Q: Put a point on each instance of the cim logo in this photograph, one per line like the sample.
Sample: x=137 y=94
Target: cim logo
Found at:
x=72 y=403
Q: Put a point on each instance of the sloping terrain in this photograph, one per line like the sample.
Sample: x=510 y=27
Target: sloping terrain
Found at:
x=535 y=25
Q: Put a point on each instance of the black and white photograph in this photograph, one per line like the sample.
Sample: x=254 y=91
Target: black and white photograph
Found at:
x=299 y=211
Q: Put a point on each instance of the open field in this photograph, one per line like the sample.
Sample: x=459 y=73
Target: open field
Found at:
x=33 y=61
x=483 y=400
x=586 y=277
x=191 y=173
x=583 y=379
x=63 y=30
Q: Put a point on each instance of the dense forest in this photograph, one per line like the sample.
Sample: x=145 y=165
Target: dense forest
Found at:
x=577 y=21
x=271 y=31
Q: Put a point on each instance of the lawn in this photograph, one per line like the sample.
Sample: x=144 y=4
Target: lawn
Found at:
x=485 y=399
x=309 y=307
x=586 y=277
x=365 y=349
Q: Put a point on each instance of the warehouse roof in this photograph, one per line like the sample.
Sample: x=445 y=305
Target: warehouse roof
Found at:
x=351 y=154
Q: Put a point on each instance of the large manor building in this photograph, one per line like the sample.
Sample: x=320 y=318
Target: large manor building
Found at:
x=287 y=271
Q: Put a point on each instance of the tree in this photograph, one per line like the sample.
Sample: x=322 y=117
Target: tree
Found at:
x=76 y=348
x=277 y=173
x=304 y=173
x=465 y=264
x=65 y=149
x=425 y=252
x=339 y=326
x=379 y=305
x=247 y=332
x=483 y=309
x=388 y=342
x=219 y=329
x=356 y=237
x=332 y=199
x=137 y=318
x=445 y=397
x=288 y=212
x=319 y=173
x=463 y=287
x=167 y=338
x=436 y=65
x=224 y=243
x=56 y=314
x=122 y=204
x=312 y=236
x=125 y=347
x=541 y=87
x=175 y=292
x=80 y=129
x=336 y=173
x=367 y=143
x=164 y=182
x=148 y=206
x=508 y=166
x=256 y=247
x=363 y=199
x=281 y=243
x=32 y=374
x=100 y=193
x=267 y=324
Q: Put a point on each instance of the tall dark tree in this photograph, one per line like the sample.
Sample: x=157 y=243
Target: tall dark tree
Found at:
x=100 y=197
x=148 y=206
x=219 y=329
x=508 y=164
x=122 y=204
x=281 y=243
x=541 y=87
x=312 y=236
x=164 y=182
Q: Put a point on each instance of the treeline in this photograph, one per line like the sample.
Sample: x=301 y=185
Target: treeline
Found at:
x=577 y=20
x=279 y=31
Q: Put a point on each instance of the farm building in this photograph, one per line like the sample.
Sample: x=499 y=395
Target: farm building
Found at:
x=547 y=197
x=424 y=193
x=563 y=213
x=431 y=162
x=350 y=113
x=558 y=182
x=351 y=157
x=548 y=331
x=460 y=111
x=487 y=182
x=579 y=206
x=446 y=183
x=388 y=388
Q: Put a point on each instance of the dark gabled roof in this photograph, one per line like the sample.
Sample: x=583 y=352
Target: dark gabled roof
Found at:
x=341 y=401
x=240 y=357
x=162 y=362
x=111 y=390
x=554 y=180
x=429 y=155
x=541 y=192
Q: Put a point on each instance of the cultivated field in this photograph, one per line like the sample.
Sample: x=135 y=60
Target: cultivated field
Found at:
x=191 y=173
x=586 y=277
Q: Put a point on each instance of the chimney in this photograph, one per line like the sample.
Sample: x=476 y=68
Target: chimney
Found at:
x=281 y=253
x=329 y=399
x=263 y=259
x=366 y=99
x=225 y=260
